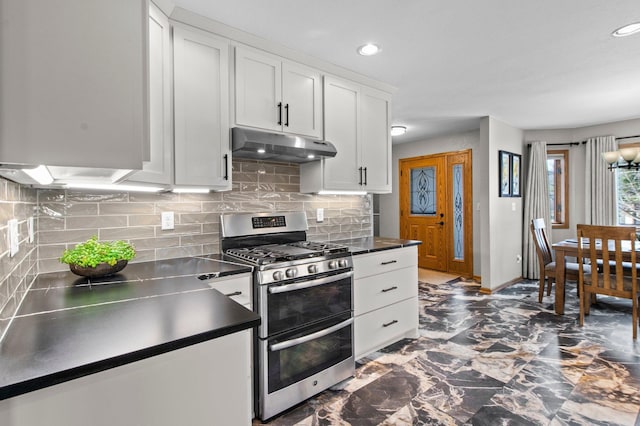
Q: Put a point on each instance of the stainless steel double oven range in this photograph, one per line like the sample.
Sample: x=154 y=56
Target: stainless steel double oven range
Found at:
x=303 y=293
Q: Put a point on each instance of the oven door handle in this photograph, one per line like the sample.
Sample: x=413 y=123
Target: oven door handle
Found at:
x=307 y=284
x=294 y=342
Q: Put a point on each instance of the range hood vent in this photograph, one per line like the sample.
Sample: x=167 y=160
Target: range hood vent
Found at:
x=257 y=145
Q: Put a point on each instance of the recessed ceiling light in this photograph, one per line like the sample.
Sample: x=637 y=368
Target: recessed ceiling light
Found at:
x=627 y=30
x=398 y=130
x=369 y=49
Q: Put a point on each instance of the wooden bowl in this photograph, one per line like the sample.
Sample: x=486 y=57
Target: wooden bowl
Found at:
x=100 y=270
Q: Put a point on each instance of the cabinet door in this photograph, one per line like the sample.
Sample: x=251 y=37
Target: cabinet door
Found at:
x=160 y=165
x=341 y=127
x=302 y=99
x=201 y=81
x=258 y=90
x=375 y=109
x=74 y=83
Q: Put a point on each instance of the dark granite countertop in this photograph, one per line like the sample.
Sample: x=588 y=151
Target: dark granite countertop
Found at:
x=372 y=244
x=68 y=327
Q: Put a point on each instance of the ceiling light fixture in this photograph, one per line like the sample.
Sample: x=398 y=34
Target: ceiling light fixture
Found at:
x=40 y=174
x=369 y=49
x=398 y=130
x=627 y=30
x=623 y=158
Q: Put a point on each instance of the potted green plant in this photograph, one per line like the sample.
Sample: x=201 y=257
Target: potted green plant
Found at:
x=94 y=258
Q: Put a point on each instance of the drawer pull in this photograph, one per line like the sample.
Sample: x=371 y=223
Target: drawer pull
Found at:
x=390 y=323
x=384 y=290
x=389 y=262
x=235 y=293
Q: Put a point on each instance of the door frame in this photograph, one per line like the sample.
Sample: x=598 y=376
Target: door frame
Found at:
x=463 y=157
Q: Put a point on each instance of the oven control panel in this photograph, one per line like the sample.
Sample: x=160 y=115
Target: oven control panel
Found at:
x=260 y=222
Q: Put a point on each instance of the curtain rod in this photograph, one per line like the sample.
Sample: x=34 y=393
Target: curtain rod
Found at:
x=583 y=142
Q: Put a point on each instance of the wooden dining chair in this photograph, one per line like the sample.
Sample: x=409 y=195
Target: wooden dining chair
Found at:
x=603 y=245
x=546 y=261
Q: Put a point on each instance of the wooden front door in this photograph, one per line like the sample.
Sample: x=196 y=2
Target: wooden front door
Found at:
x=436 y=208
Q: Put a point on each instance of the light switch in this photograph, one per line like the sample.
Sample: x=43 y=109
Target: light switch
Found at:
x=320 y=215
x=14 y=242
x=167 y=219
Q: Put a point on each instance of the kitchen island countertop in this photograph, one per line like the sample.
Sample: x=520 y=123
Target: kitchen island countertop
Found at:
x=373 y=244
x=69 y=326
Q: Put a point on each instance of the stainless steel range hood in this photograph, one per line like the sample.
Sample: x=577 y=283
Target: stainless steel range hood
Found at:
x=258 y=145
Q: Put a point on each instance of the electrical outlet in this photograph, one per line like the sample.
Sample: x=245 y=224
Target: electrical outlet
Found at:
x=167 y=220
x=320 y=215
x=14 y=241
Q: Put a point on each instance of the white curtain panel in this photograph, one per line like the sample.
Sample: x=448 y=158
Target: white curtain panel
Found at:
x=536 y=204
x=600 y=183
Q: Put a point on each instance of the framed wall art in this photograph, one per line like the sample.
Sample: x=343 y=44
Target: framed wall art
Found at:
x=510 y=174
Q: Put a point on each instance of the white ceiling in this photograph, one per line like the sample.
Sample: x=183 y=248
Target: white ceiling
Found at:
x=537 y=64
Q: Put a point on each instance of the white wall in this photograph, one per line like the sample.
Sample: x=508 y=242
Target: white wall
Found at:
x=576 y=162
x=502 y=238
x=390 y=204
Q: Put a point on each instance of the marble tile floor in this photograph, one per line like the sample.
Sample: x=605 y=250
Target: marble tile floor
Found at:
x=500 y=359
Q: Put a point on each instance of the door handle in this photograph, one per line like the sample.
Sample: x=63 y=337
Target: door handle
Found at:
x=286 y=110
x=441 y=223
x=280 y=113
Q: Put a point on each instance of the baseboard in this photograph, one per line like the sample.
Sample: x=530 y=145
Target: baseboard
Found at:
x=484 y=290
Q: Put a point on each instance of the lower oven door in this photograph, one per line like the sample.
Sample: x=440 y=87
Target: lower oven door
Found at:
x=294 y=304
x=297 y=365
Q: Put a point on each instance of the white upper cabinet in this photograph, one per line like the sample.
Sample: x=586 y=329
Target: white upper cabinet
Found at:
x=159 y=168
x=74 y=83
x=201 y=103
x=357 y=121
x=274 y=94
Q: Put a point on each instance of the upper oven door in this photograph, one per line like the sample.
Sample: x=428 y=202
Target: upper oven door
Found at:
x=288 y=305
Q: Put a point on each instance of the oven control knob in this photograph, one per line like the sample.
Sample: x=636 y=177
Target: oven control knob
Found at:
x=312 y=269
x=333 y=264
x=278 y=275
x=342 y=263
x=292 y=273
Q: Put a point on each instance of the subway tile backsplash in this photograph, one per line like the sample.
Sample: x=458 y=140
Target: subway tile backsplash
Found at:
x=67 y=217
x=17 y=272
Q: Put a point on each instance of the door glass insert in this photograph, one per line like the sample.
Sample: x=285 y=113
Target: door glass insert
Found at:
x=458 y=212
x=423 y=191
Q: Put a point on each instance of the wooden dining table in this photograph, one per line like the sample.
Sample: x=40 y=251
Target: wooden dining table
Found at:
x=569 y=248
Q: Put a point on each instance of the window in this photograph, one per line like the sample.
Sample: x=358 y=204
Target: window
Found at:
x=558 y=178
x=628 y=182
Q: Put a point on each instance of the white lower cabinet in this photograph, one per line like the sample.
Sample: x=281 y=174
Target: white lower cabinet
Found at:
x=385 y=298
x=236 y=288
x=204 y=384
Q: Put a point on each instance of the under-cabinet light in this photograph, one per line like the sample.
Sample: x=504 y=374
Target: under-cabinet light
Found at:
x=342 y=192
x=40 y=174
x=190 y=190
x=261 y=151
x=114 y=187
x=398 y=130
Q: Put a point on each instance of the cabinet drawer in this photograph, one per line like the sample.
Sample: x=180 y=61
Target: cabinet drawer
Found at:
x=237 y=288
x=384 y=326
x=385 y=289
x=380 y=262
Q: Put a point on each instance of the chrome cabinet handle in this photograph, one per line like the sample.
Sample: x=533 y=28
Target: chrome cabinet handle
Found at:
x=294 y=342
x=390 y=323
